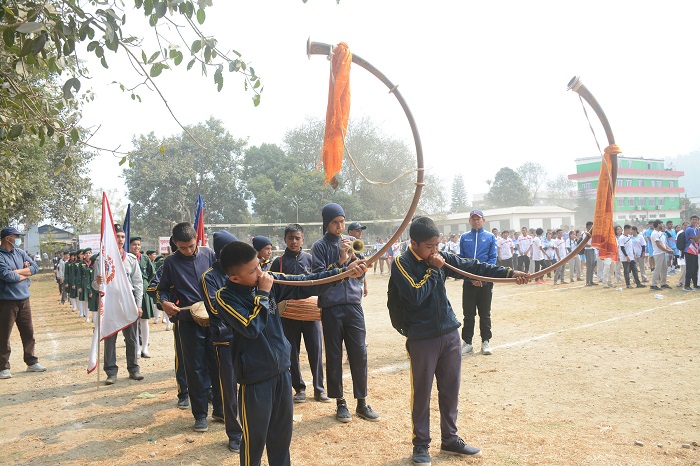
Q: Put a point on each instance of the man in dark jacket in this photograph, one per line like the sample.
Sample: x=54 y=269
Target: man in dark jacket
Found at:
x=212 y=281
x=342 y=317
x=15 y=269
x=433 y=342
x=248 y=304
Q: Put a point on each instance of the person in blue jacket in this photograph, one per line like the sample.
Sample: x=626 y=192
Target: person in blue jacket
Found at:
x=248 y=304
x=342 y=318
x=15 y=269
x=212 y=281
x=181 y=283
x=477 y=244
x=417 y=289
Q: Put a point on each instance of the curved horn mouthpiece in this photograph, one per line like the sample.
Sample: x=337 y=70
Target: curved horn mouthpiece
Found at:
x=574 y=84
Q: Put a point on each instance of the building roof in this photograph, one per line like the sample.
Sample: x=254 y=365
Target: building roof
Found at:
x=44 y=229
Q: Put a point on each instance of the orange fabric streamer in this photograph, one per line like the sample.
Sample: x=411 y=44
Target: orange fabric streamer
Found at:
x=338 y=113
x=603 y=225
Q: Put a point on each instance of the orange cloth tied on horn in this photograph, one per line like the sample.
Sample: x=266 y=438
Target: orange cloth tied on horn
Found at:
x=338 y=113
x=603 y=225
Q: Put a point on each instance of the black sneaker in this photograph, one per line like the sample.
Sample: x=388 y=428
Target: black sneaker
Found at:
x=183 y=403
x=420 y=455
x=666 y=287
x=234 y=445
x=459 y=448
x=367 y=413
x=218 y=417
x=200 y=425
x=639 y=285
x=111 y=380
x=322 y=397
x=300 y=397
x=342 y=414
x=654 y=287
x=136 y=376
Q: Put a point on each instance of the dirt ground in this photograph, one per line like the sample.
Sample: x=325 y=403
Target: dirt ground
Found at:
x=577 y=376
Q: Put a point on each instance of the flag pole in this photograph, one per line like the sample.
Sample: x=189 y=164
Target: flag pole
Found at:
x=97 y=329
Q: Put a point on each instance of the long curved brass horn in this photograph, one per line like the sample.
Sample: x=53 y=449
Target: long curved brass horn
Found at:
x=319 y=48
x=577 y=86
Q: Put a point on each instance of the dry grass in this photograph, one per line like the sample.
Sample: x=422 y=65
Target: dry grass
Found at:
x=577 y=376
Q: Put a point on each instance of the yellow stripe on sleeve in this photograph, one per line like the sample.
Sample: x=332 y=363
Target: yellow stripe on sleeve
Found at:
x=410 y=279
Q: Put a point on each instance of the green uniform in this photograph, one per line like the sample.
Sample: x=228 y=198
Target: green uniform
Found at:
x=148 y=271
x=71 y=269
x=83 y=281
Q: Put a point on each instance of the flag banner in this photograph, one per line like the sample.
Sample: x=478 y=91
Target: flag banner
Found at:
x=199 y=221
x=127 y=227
x=603 y=225
x=117 y=308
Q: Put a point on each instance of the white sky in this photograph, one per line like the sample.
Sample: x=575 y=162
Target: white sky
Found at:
x=486 y=81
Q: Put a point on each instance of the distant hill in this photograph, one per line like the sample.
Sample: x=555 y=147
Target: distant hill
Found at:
x=690 y=164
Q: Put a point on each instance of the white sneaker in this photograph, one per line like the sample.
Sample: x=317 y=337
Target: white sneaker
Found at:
x=467 y=348
x=485 y=348
x=5 y=374
x=36 y=368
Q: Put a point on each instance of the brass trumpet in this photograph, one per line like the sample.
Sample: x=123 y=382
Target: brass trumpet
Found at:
x=358 y=246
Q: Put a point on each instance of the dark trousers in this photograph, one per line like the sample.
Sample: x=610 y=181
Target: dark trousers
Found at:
x=199 y=357
x=110 y=358
x=229 y=393
x=345 y=323
x=476 y=298
x=524 y=263
x=266 y=416
x=590 y=265
x=507 y=262
x=311 y=331
x=180 y=377
x=435 y=358
x=691 y=270
x=64 y=293
x=16 y=312
x=539 y=265
x=626 y=267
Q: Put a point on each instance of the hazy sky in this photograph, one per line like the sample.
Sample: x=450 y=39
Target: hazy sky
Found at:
x=486 y=81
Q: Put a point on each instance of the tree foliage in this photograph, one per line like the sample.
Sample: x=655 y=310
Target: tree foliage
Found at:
x=42 y=77
x=533 y=175
x=507 y=190
x=560 y=189
x=168 y=175
x=459 y=202
x=36 y=190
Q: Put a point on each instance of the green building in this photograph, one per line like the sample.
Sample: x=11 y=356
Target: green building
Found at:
x=645 y=190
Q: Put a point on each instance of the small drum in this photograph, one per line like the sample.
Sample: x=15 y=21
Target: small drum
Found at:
x=199 y=314
x=300 y=309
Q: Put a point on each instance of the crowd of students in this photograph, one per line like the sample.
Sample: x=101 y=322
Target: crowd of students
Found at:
x=246 y=359
x=640 y=249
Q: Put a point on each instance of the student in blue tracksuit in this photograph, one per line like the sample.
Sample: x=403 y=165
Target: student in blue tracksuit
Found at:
x=417 y=289
x=477 y=244
x=183 y=401
x=294 y=261
x=263 y=245
x=181 y=283
x=213 y=280
x=342 y=317
x=248 y=304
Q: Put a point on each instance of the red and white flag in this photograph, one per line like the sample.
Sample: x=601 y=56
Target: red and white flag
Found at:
x=117 y=308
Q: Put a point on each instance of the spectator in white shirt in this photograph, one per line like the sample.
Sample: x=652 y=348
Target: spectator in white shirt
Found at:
x=524 y=251
x=558 y=245
x=628 y=256
x=504 y=247
x=660 y=249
